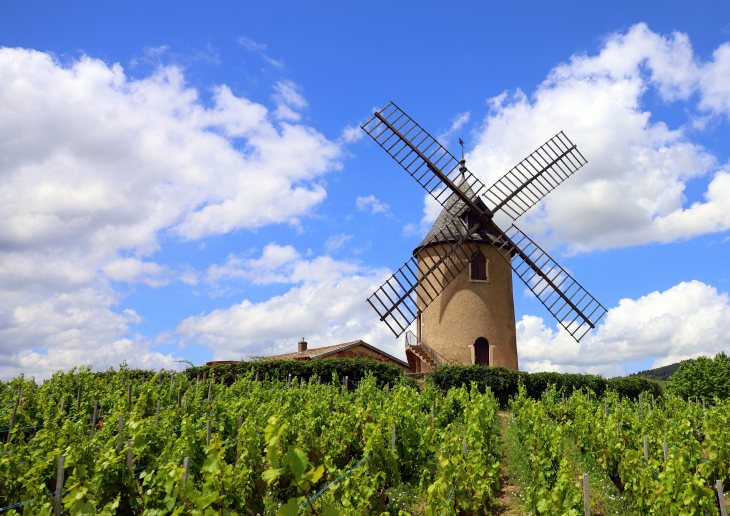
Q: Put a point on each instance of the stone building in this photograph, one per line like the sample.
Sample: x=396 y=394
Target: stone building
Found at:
x=473 y=320
x=354 y=349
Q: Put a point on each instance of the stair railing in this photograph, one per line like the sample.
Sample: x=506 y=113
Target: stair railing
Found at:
x=412 y=341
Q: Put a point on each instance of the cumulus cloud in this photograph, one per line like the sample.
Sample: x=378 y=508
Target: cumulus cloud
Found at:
x=686 y=321
x=371 y=202
x=632 y=190
x=327 y=305
x=288 y=101
x=97 y=166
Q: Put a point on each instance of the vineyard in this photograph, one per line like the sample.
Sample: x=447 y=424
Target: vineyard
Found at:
x=82 y=443
x=79 y=444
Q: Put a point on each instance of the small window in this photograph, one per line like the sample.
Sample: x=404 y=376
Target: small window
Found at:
x=478 y=267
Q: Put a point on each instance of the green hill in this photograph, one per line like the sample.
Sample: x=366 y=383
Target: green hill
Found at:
x=660 y=373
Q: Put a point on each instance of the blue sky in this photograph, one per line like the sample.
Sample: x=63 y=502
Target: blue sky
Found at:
x=188 y=181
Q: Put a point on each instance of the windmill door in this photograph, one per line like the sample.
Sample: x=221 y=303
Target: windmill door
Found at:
x=481 y=351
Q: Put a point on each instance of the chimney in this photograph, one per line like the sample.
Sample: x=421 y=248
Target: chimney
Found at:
x=302 y=346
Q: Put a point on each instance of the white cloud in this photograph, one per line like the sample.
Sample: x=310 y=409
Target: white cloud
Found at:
x=632 y=190
x=328 y=306
x=686 y=321
x=288 y=100
x=456 y=124
x=371 y=202
x=259 y=48
x=96 y=166
x=351 y=134
x=280 y=264
x=336 y=241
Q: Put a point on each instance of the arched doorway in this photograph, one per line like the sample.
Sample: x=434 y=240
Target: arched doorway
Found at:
x=481 y=351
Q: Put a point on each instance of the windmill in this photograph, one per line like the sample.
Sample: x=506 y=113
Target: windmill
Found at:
x=465 y=235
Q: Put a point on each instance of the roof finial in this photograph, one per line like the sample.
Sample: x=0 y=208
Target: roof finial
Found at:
x=462 y=163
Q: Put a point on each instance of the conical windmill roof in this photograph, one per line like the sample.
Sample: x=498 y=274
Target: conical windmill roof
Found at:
x=450 y=217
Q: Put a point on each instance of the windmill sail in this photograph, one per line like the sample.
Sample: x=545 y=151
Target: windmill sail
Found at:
x=425 y=159
x=535 y=176
x=415 y=285
x=575 y=309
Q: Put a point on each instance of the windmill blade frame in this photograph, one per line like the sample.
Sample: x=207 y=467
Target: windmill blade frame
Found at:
x=558 y=291
x=424 y=158
x=528 y=182
x=399 y=300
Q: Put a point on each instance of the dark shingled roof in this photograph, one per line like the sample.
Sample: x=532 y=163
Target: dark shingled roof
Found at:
x=451 y=217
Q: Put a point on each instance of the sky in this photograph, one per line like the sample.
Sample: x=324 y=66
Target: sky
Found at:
x=188 y=181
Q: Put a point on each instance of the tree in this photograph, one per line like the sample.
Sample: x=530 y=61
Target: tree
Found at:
x=702 y=377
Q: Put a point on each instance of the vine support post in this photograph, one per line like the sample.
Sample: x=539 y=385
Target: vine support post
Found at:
x=703 y=404
x=466 y=448
x=433 y=409
x=63 y=404
x=666 y=451
x=93 y=417
x=721 y=497
x=653 y=405
x=179 y=397
x=172 y=376
x=392 y=443
x=129 y=397
x=59 y=485
x=12 y=423
x=586 y=496
x=120 y=431
x=186 y=469
x=605 y=406
x=207 y=435
x=157 y=414
x=210 y=388
x=387 y=389
x=319 y=380
x=238 y=446
x=185 y=401
x=78 y=398
x=130 y=454
x=646 y=449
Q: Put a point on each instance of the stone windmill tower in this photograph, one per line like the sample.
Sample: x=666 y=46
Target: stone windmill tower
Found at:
x=457 y=286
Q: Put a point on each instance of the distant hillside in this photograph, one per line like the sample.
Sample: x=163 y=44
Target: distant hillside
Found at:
x=660 y=373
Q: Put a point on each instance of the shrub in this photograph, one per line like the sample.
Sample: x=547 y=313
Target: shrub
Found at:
x=504 y=383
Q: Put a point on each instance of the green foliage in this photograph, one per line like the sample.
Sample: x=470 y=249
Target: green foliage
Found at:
x=272 y=445
x=702 y=377
x=356 y=369
x=504 y=383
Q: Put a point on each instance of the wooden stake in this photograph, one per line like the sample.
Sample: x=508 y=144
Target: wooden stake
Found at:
x=63 y=404
x=433 y=409
x=78 y=398
x=586 y=496
x=210 y=387
x=130 y=455
x=186 y=467
x=207 y=438
x=466 y=448
x=59 y=485
x=93 y=417
x=12 y=422
x=646 y=449
x=157 y=414
x=605 y=406
x=332 y=407
x=666 y=451
x=185 y=404
x=121 y=431
x=721 y=498
x=392 y=444
x=172 y=377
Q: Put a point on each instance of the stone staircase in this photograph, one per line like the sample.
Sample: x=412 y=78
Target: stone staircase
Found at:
x=421 y=353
